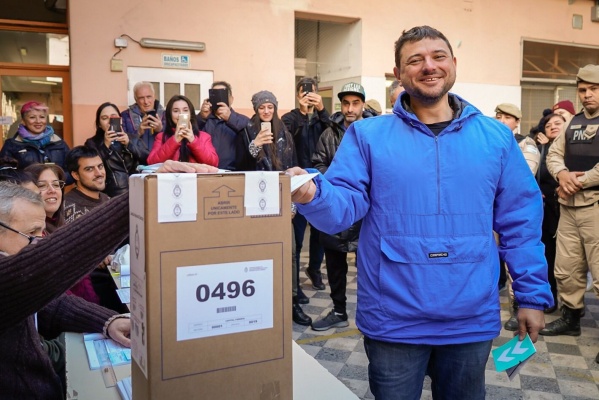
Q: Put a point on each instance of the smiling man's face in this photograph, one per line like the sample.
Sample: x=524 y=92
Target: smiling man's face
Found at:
x=427 y=70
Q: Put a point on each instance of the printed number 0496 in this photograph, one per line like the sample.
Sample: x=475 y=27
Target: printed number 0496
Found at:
x=233 y=290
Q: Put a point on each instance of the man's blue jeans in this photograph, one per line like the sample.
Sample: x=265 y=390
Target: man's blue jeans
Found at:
x=396 y=370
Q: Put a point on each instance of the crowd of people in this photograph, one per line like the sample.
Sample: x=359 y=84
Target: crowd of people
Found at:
x=430 y=231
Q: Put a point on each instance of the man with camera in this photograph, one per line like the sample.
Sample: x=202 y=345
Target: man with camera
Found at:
x=222 y=123
x=306 y=124
x=146 y=116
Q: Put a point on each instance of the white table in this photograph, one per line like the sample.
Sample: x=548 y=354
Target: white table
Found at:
x=308 y=374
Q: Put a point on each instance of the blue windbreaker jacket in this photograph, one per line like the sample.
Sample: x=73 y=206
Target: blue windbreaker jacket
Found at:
x=428 y=266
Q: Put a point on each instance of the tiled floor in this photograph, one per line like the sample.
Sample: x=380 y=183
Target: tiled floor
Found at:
x=563 y=368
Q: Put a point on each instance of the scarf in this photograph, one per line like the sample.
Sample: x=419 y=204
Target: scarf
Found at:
x=40 y=140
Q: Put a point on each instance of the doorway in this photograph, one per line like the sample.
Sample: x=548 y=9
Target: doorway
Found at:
x=51 y=86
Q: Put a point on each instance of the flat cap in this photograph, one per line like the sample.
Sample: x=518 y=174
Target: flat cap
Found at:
x=509 y=108
x=589 y=73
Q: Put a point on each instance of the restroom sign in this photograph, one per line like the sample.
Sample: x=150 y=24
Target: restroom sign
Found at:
x=175 y=60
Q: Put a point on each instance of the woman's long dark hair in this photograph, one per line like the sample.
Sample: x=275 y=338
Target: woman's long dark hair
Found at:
x=171 y=126
x=99 y=136
x=270 y=150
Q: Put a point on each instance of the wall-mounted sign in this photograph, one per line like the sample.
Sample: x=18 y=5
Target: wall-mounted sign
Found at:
x=176 y=60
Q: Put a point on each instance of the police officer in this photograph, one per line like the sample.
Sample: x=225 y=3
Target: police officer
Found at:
x=510 y=115
x=573 y=160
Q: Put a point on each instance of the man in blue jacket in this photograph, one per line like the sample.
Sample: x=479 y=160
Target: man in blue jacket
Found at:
x=431 y=182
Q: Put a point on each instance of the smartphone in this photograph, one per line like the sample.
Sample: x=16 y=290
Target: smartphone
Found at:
x=216 y=96
x=152 y=113
x=307 y=87
x=265 y=126
x=114 y=124
x=183 y=121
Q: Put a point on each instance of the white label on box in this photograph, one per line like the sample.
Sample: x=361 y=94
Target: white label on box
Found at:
x=262 y=196
x=177 y=197
x=220 y=299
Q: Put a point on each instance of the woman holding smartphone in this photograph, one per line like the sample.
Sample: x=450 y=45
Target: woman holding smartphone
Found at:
x=266 y=144
x=182 y=140
x=121 y=152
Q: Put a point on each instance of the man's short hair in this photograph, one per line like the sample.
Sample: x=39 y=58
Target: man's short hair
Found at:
x=306 y=79
x=227 y=85
x=141 y=84
x=417 y=34
x=77 y=152
x=9 y=194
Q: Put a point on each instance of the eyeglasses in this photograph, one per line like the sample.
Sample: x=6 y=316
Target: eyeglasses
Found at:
x=56 y=185
x=32 y=239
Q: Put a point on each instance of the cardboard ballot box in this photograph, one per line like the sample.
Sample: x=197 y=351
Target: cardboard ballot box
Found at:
x=211 y=286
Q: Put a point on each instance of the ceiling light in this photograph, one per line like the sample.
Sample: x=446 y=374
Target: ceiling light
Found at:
x=172 y=44
x=44 y=82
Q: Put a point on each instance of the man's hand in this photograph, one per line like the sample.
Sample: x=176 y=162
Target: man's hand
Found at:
x=568 y=181
x=310 y=100
x=119 y=330
x=314 y=99
x=105 y=262
x=530 y=321
x=205 y=109
x=223 y=111
x=185 y=167
x=305 y=193
x=151 y=122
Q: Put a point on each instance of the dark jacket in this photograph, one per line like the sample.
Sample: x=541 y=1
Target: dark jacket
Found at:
x=28 y=153
x=346 y=241
x=132 y=117
x=285 y=151
x=306 y=132
x=120 y=161
x=224 y=135
x=33 y=282
x=548 y=186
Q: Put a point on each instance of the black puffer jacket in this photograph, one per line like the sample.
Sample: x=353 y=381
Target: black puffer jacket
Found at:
x=119 y=161
x=346 y=241
x=28 y=153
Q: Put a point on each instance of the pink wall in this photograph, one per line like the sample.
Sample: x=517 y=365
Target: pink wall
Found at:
x=250 y=43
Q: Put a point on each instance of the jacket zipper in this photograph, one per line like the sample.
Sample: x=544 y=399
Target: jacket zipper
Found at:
x=438 y=175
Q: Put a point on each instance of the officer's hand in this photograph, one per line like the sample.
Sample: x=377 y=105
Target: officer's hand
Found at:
x=568 y=181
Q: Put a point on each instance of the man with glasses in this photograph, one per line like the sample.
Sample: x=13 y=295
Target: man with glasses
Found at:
x=32 y=287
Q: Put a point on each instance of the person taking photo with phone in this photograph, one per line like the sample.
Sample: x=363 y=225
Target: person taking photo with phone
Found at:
x=182 y=140
x=267 y=144
x=146 y=117
x=222 y=123
x=121 y=152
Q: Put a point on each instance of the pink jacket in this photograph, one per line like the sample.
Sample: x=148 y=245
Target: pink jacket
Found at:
x=201 y=150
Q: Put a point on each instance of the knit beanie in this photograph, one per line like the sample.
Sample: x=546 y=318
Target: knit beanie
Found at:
x=262 y=97
x=565 y=105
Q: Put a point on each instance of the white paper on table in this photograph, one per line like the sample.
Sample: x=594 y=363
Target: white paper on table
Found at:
x=299 y=180
x=220 y=299
x=177 y=197
x=262 y=196
x=124 y=295
x=125 y=281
